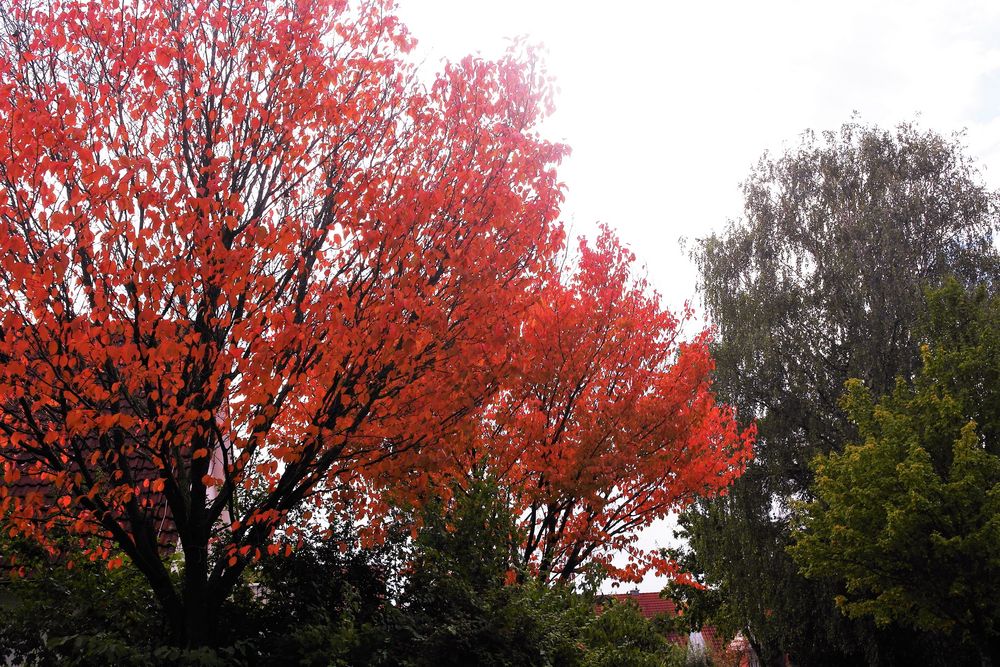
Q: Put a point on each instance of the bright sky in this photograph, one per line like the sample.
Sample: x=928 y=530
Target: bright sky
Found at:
x=666 y=105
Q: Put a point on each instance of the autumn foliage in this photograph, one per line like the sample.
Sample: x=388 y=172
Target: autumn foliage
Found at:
x=608 y=421
x=253 y=271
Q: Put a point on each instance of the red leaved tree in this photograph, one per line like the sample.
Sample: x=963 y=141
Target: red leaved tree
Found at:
x=247 y=261
x=608 y=422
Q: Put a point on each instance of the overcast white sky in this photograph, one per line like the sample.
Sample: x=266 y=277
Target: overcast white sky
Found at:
x=666 y=105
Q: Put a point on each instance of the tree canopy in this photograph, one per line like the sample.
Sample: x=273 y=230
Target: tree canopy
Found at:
x=247 y=256
x=909 y=517
x=257 y=278
x=607 y=422
x=822 y=280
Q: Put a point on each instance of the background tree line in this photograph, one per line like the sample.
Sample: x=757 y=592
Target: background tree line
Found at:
x=855 y=304
x=441 y=597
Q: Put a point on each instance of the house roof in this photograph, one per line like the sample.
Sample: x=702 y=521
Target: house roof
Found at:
x=651 y=605
x=29 y=486
x=713 y=641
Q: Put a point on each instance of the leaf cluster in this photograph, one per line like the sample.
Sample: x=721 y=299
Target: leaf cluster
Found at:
x=909 y=518
x=821 y=280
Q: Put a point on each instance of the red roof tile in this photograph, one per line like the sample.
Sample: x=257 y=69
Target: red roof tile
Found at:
x=713 y=641
x=30 y=483
x=650 y=604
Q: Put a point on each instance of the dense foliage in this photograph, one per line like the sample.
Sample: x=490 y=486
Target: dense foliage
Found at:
x=438 y=598
x=607 y=423
x=822 y=280
x=257 y=280
x=65 y=604
x=909 y=518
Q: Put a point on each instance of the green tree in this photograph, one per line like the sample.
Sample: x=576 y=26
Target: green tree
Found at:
x=326 y=604
x=461 y=605
x=621 y=636
x=446 y=596
x=822 y=280
x=909 y=518
x=67 y=601
x=458 y=605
